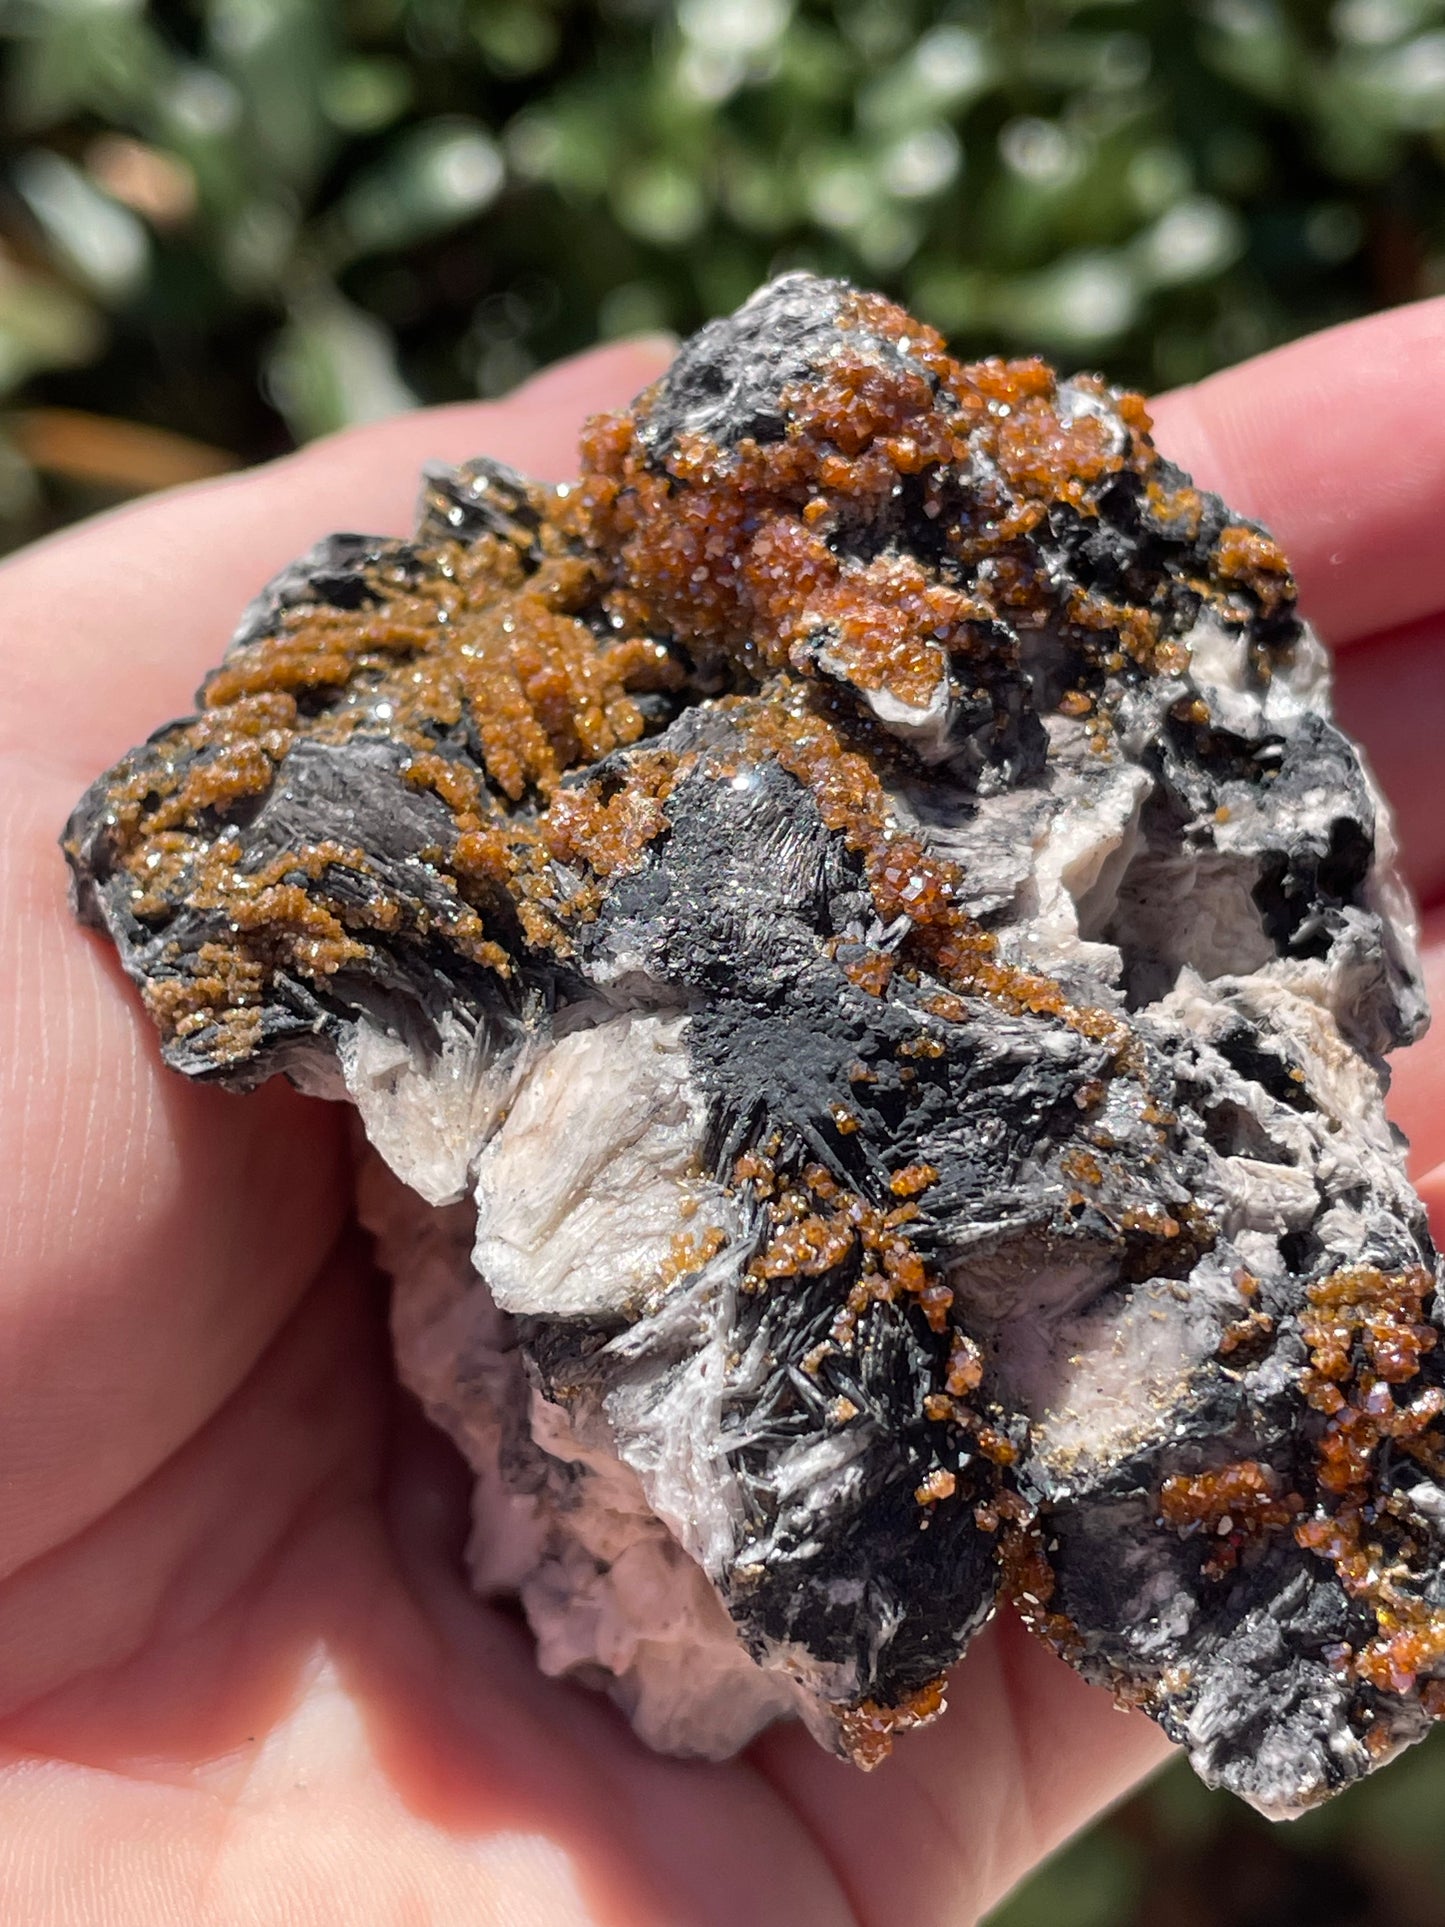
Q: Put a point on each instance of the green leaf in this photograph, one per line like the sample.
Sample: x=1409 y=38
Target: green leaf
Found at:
x=429 y=179
x=360 y=96
x=42 y=325
x=661 y=202
x=1191 y=241
x=1091 y=1883
x=100 y=242
x=1082 y=302
x=278 y=53
x=331 y=366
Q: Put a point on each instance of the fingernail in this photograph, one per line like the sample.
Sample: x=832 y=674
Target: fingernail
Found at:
x=655 y=341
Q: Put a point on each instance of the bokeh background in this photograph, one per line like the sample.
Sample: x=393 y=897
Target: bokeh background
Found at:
x=231 y=225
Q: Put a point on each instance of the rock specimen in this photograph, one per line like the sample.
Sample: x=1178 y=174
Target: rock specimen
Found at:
x=870 y=966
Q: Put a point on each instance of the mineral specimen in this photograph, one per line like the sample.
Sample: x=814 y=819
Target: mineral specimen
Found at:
x=870 y=966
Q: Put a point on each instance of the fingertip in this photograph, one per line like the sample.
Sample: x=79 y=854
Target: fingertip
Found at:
x=538 y=425
x=1336 y=443
x=1417 y=1076
x=1357 y=378
x=1182 y=435
x=1432 y=1195
x=608 y=376
x=535 y=428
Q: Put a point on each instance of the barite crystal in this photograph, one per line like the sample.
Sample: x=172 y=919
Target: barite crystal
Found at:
x=868 y=968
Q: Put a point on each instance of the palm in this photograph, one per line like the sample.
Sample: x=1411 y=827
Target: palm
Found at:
x=240 y=1676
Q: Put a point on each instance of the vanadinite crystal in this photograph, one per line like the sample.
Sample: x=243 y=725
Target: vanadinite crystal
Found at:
x=869 y=965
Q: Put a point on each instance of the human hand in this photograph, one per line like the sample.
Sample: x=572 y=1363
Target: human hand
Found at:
x=241 y=1678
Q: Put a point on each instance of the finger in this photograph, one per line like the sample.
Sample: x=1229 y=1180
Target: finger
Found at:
x=155 y=1233
x=1024 y=1756
x=1337 y=444
x=302 y=1434
x=270 y=1721
x=1390 y=696
x=109 y=627
x=1417 y=1091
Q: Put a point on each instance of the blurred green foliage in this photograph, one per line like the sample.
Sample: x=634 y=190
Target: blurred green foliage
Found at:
x=251 y=221
x=1177 y=1855
x=254 y=220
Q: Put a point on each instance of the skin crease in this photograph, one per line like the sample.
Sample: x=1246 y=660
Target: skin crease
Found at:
x=241 y=1679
